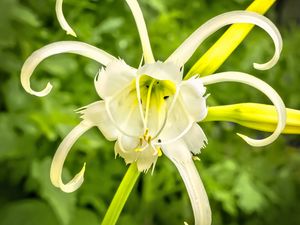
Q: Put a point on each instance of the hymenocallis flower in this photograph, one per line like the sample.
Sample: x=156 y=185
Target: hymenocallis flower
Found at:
x=151 y=111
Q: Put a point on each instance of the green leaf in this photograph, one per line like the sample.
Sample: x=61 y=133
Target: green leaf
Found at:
x=84 y=217
x=28 y=212
x=63 y=204
x=249 y=197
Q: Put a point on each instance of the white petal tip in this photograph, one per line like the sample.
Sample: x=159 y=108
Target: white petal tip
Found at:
x=71 y=32
x=185 y=223
x=254 y=142
x=265 y=66
x=42 y=93
x=195 y=158
x=75 y=183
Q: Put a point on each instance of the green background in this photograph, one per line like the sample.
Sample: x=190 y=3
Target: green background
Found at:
x=246 y=186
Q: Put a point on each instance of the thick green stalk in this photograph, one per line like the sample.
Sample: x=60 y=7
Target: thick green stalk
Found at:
x=121 y=195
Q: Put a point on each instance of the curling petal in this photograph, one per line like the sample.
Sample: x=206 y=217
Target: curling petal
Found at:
x=60 y=156
x=183 y=53
x=263 y=87
x=61 y=19
x=180 y=155
x=142 y=29
x=75 y=47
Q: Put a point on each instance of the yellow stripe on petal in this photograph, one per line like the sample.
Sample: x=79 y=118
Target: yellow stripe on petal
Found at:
x=227 y=43
x=256 y=116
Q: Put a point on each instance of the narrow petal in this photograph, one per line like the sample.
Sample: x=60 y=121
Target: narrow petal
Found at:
x=60 y=157
x=142 y=29
x=113 y=78
x=180 y=155
x=190 y=45
x=96 y=115
x=75 y=47
x=263 y=87
x=192 y=92
x=61 y=19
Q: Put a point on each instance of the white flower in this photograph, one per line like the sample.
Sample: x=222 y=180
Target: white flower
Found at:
x=150 y=110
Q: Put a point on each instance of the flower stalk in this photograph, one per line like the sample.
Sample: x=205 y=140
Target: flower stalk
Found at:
x=121 y=195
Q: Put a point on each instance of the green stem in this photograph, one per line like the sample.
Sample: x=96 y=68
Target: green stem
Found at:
x=121 y=196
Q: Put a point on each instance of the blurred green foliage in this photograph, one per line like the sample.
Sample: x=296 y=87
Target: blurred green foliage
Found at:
x=245 y=185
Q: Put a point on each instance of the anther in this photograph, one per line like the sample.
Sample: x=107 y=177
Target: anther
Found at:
x=166 y=97
x=146 y=132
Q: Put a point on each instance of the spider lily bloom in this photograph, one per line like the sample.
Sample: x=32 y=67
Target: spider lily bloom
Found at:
x=150 y=111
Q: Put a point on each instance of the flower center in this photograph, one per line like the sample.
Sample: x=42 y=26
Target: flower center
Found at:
x=155 y=99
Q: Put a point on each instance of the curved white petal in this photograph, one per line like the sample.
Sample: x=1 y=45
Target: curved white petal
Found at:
x=192 y=92
x=61 y=19
x=180 y=155
x=113 y=78
x=142 y=29
x=75 y=47
x=263 y=87
x=183 y=53
x=162 y=71
x=60 y=156
x=96 y=115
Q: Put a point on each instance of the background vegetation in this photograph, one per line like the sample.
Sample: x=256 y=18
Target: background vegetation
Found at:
x=246 y=186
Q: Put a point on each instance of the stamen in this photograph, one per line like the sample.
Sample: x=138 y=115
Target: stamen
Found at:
x=108 y=100
x=148 y=101
x=138 y=93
